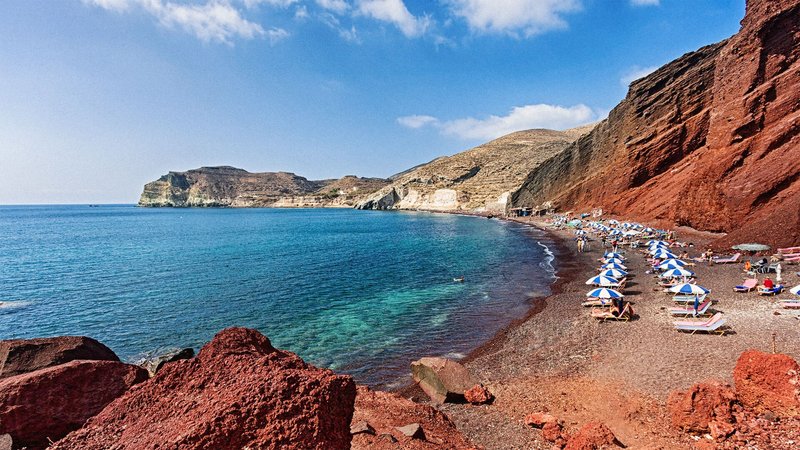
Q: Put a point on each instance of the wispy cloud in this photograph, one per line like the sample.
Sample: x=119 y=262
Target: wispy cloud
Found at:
x=519 y=118
x=636 y=72
x=337 y=6
x=278 y=3
x=514 y=17
x=395 y=12
x=211 y=21
x=645 y=2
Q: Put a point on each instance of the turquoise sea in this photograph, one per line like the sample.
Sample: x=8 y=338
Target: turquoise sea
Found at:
x=360 y=292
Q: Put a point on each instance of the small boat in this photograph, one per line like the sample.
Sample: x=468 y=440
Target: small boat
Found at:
x=459 y=279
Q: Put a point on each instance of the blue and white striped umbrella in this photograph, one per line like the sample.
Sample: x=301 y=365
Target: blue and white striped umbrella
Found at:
x=614 y=266
x=664 y=254
x=677 y=273
x=689 y=289
x=655 y=242
x=602 y=280
x=614 y=255
x=671 y=264
x=795 y=290
x=612 y=261
x=614 y=273
x=604 y=293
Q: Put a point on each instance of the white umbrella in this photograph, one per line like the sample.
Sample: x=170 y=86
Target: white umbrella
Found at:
x=614 y=266
x=612 y=261
x=614 y=273
x=677 y=273
x=795 y=290
x=604 y=293
x=602 y=280
x=689 y=289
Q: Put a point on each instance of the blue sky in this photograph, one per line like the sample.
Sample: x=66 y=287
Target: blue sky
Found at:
x=100 y=96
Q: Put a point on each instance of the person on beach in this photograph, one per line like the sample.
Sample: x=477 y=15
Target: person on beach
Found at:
x=696 y=304
x=768 y=283
x=778 y=270
x=748 y=266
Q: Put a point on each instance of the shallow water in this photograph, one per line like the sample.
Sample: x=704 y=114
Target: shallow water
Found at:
x=361 y=292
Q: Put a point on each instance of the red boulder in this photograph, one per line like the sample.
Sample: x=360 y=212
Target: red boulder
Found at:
x=18 y=356
x=768 y=382
x=592 y=436
x=478 y=395
x=239 y=392
x=538 y=420
x=49 y=403
x=705 y=406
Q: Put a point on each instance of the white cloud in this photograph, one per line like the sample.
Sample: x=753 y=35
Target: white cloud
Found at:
x=278 y=3
x=395 y=12
x=519 y=118
x=645 y=2
x=212 y=21
x=528 y=17
x=417 y=121
x=337 y=6
x=301 y=12
x=276 y=35
x=636 y=72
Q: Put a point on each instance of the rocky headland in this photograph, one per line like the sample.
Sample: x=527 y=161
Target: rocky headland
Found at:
x=231 y=187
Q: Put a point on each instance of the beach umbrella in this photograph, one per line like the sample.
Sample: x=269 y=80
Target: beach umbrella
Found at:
x=612 y=261
x=614 y=266
x=671 y=264
x=602 y=280
x=664 y=255
x=631 y=233
x=677 y=273
x=689 y=289
x=795 y=290
x=614 y=255
x=614 y=273
x=613 y=221
x=604 y=293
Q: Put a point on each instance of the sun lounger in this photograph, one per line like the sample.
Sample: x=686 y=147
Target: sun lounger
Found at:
x=689 y=310
x=689 y=298
x=712 y=325
x=747 y=286
x=790 y=304
x=770 y=291
x=730 y=260
x=596 y=302
x=786 y=250
x=603 y=315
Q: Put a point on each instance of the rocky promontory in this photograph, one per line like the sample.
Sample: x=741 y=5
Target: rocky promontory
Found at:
x=231 y=187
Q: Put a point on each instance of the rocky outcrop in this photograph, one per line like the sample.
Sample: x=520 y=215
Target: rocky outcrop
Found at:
x=18 y=356
x=711 y=140
x=443 y=380
x=232 y=187
x=705 y=407
x=592 y=436
x=44 y=405
x=480 y=179
x=768 y=382
x=386 y=413
x=239 y=392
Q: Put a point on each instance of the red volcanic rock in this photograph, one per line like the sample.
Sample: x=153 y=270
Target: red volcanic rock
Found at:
x=18 y=356
x=386 y=411
x=592 y=436
x=703 y=408
x=478 y=395
x=710 y=140
x=47 y=404
x=239 y=392
x=551 y=431
x=538 y=420
x=442 y=379
x=768 y=382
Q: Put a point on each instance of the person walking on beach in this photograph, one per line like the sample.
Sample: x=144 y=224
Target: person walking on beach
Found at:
x=778 y=270
x=580 y=245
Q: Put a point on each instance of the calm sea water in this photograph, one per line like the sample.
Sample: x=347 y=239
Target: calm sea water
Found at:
x=356 y=291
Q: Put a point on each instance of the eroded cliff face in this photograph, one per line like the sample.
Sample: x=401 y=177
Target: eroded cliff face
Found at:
x=481 y=179
x=710 y=140
x=232 y=187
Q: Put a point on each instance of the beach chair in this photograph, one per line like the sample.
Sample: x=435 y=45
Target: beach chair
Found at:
x=747 y=286
x=790 y=304
x=624 y=316
x=730 y=260
x=689 y=298
x=596 y=302
x=770 y=291
x=712 y=325
x=689 y=310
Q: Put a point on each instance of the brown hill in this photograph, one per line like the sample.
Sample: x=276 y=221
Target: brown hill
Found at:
x=229 y=186
x=710 y=140
x=480 y=179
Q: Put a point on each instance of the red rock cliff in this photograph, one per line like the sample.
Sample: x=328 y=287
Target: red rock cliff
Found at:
x=711 y=140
